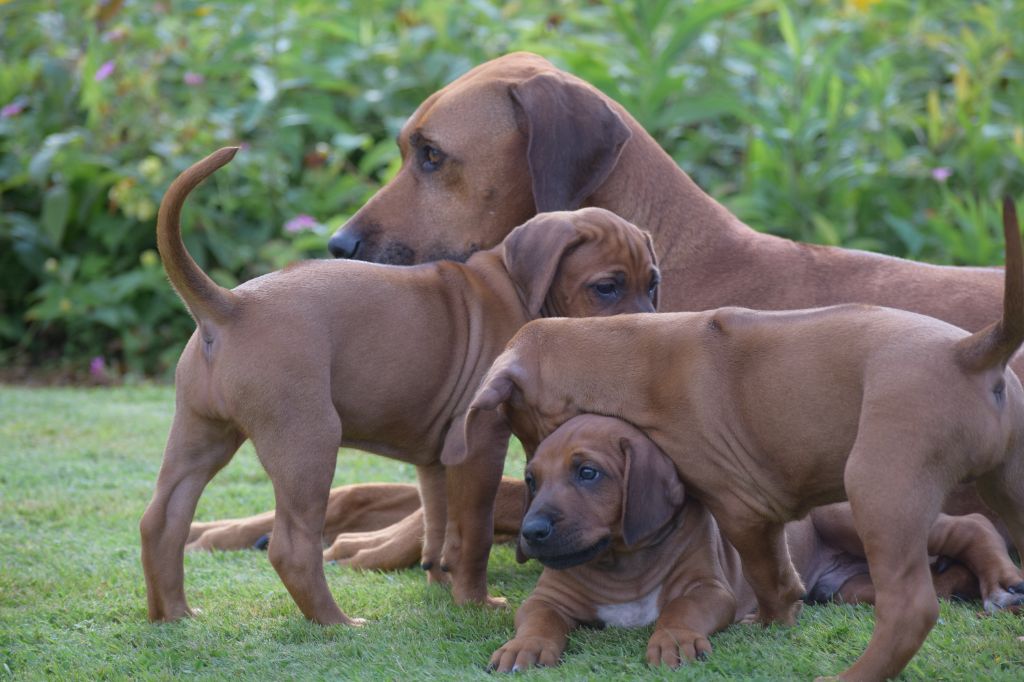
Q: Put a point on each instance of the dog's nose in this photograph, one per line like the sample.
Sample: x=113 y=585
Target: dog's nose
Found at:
x=536 y=529
x=345 y=243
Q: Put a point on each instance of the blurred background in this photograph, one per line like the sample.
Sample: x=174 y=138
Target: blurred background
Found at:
x=893 y=126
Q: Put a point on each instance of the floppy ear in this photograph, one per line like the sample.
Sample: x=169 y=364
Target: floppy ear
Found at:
x=575 y=139
x=483 y=423
x=652 y=492
x=654 y=259
x=532 y=253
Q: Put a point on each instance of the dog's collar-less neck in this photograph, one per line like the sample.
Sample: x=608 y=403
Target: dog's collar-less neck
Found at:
x=620 y=550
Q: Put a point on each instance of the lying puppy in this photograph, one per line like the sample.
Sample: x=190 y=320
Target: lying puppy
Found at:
x=368 y=526
x=386 y=359
x=767 y=415
x=608 y=518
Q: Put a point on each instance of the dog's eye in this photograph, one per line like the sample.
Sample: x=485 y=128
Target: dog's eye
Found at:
x=588 y=473
x=606 y=289
x=431 y=158
x=531 y=484
x=653 y=289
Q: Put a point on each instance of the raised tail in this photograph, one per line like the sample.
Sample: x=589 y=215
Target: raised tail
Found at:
x=994 y=345
x=206 y=300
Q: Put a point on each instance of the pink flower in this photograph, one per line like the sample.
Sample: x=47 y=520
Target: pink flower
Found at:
x=98 y=367
x=114 y=35
x=103 y=73
x=301 y=222
x=13 y=109
x=941 y=174
x=193 y=79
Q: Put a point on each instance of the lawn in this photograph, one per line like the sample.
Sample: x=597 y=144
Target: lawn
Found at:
x=77 y=468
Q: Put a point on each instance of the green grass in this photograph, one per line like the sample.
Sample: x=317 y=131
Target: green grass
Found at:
x=77 y=468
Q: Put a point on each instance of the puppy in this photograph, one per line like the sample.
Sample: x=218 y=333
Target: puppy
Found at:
x=767 y=415
x=385 y=359
x=621 y=546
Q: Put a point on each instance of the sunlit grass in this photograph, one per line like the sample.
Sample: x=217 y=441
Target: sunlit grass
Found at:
x=77 y=468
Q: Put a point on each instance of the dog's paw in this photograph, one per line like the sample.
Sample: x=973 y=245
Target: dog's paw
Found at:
x=436 y=576
x=783 y=616
x=262 y=542
x=675 y=646
x=1009 y=599
x=523 y=653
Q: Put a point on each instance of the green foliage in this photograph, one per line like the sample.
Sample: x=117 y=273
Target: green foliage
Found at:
x=74 y=482
x=891 y=125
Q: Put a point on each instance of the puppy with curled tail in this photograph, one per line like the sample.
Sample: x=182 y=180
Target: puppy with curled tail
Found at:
x=382 y=358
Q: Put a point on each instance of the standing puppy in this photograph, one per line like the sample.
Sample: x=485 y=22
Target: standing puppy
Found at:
x=622 y=546
x=767 y=415
x=385 y=359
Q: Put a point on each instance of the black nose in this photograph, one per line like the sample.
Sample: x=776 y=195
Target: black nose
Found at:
x=536 y=529
x=345 y=243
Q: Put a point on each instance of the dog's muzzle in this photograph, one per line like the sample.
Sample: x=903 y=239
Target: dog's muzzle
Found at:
x=345 y=243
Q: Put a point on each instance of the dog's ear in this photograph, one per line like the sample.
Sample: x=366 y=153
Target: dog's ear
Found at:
x=484 y=424
x=651 y=490
x=532 y=253
x=654 y=259
x=575 y=139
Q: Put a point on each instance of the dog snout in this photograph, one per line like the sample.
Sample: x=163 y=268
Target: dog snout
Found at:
x=537 y=529
x=345 y=243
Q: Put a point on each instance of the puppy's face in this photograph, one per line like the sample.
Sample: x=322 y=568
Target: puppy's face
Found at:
x=594 y=483
x=583 y=263
x=613 y=270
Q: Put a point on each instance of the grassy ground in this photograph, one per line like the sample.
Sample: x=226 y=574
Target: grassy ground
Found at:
x=77 y=468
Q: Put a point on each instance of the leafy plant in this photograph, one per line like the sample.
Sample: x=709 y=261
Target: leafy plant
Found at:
x=887 y=125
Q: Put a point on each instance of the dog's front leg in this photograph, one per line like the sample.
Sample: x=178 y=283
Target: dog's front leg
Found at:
x=435 y=517
x=681 y=633
x=472 y=487
x=767 y=566
x=541 y=633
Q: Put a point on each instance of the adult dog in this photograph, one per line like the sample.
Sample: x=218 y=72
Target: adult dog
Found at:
x=516 y=136
x=767 y=415
x=386 y=359
x=622 y=546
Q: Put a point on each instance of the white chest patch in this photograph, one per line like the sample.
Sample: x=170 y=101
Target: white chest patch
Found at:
x=634 y=614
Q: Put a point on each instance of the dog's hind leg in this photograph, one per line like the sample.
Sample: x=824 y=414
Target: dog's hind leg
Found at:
x=197 y=448
x=391 y=548
x=299 y=458
x=1003 y=490
x=983 y=566
x=894 y=527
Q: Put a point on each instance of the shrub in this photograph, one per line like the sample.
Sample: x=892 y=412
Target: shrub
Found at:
x=886 y=125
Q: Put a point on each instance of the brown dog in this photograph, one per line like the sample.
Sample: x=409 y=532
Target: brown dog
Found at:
x=370 y=526
x=385 y=359
x=767 y=415
x=516 y=135
x=607 y=519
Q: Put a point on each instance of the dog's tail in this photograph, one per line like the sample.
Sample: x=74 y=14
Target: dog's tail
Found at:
x=204 y=298
x=994 y=345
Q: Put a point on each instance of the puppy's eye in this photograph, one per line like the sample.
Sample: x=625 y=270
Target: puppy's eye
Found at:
x=652 y=290
x=606 y=289
x=588 y=473
x=531 y=484
x=431 y=158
